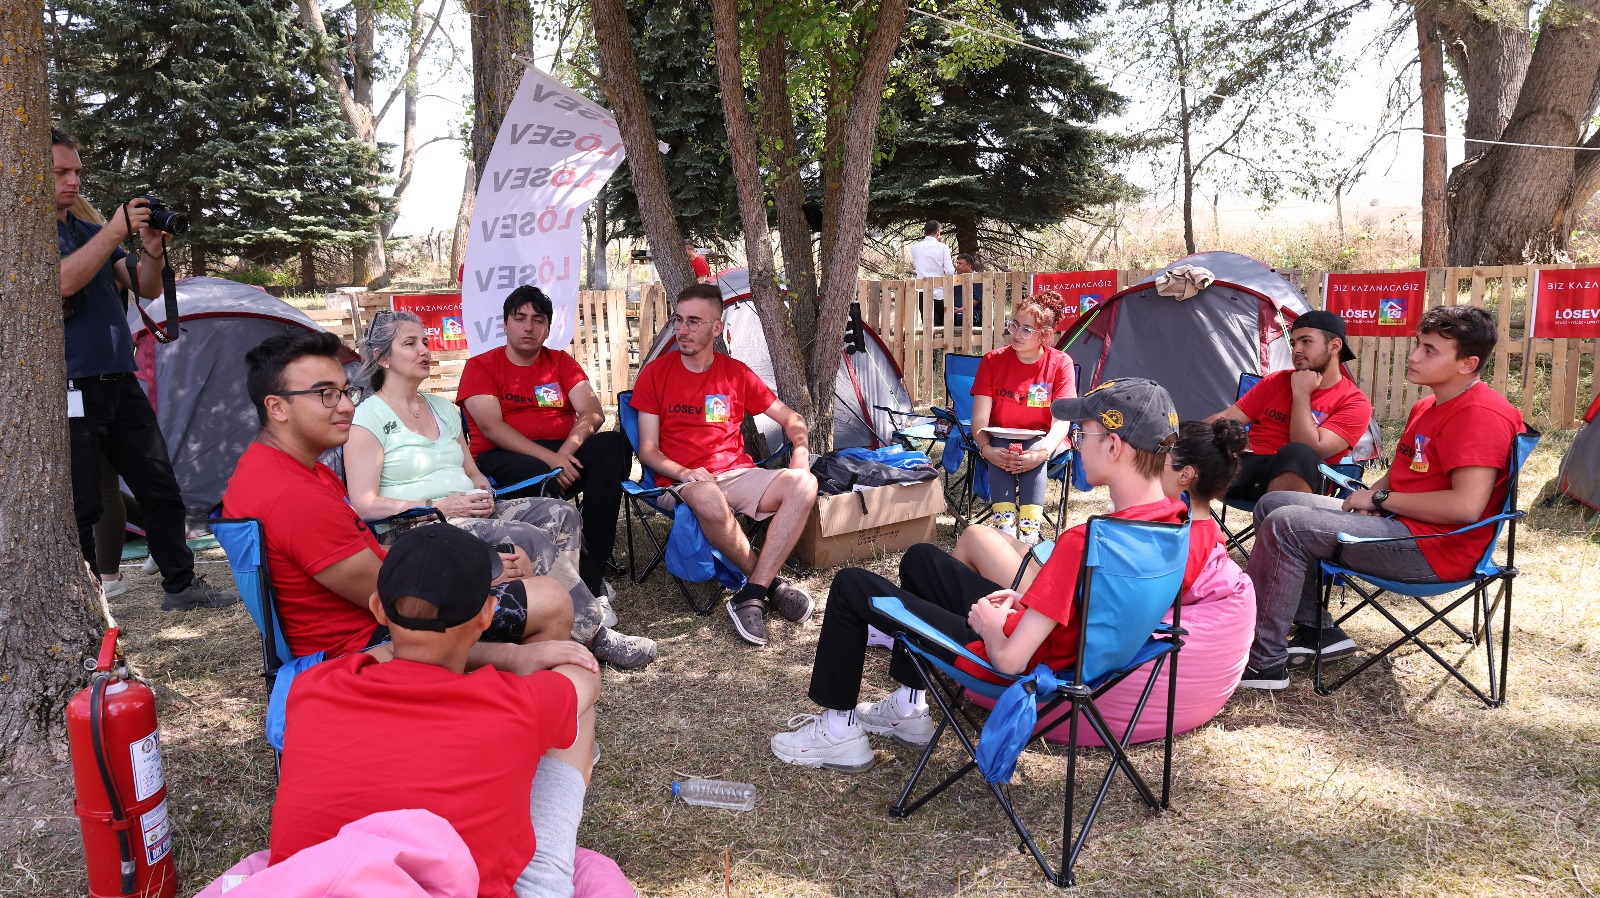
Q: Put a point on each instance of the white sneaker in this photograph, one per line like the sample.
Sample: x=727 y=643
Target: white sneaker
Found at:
x=811 y=745
x=114 y=588
x=149 y=566
x=1005 y=522
x=878 y=638
x=911 y=726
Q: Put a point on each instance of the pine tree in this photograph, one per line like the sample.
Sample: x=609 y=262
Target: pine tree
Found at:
x=998 y=149
x=213 y=105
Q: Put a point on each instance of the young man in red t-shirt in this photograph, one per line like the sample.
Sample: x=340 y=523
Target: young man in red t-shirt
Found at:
x=322 y=557
x=1301 y=418
x=702 y=268
x=1450 y=470
x=1124 y=434
x=691 y=404
x=462 y=745
x=530 y=409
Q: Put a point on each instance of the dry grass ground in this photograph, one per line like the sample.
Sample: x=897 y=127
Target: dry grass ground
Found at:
x=1402 y=784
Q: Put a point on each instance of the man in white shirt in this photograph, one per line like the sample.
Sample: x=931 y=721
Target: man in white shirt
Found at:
x=930 y=258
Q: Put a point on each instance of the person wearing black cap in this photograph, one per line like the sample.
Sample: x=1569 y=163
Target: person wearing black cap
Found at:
x=1301 y=418
x=464 y=745
x=1124 y=431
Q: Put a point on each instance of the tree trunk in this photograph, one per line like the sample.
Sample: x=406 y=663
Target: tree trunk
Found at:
x=199 y=263
x=47 y=621
x=624 y=90
x=788 y=365
x=781 y=145
x=368 y=261
x=458 y=240
x=1434 y=160
x=308 y=267
x=1491 y=56
x=1514 y=204
x=1184 y=136
x=966 y=228
x=599 y=275
x=846 y=217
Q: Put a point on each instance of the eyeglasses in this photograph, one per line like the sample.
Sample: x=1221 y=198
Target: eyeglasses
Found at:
x=1027 y=330
x=330 y=395
x=694 y=324
x=1076 y=433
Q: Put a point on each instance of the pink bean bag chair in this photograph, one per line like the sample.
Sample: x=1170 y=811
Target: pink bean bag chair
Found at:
x=1219 y=611
x=393 y=854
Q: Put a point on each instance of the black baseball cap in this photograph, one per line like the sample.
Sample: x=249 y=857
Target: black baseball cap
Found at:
x=445 y=566
x=1138 y=410
x=1333 y=324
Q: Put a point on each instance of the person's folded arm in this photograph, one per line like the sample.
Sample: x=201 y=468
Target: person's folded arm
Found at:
x=353 y=579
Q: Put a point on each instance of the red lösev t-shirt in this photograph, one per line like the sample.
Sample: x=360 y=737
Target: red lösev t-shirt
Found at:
x=365 y=737
x=1052 y=592
x=1021 y=393
x=701 y=412
x=309 y=526
x=1341 y=408
x=1472 y=430
x=534 y=399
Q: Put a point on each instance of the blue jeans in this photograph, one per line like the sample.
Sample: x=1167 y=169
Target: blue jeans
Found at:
x=1294 y=531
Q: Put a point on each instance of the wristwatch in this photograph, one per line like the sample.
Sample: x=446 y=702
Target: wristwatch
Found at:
x=1378 y=498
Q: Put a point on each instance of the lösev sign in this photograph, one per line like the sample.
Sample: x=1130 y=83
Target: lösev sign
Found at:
x=1382 y=304
x=441 y=317
x=553 y=153
x=1083 y=290
x=1566 y=303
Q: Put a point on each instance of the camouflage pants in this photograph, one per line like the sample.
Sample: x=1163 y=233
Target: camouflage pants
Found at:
x=550 y=532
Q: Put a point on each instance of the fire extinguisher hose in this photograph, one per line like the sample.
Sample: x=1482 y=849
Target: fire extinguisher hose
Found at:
x=119 y=816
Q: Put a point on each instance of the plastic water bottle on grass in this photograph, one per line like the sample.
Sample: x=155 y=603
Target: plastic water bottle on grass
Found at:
x=716 y=794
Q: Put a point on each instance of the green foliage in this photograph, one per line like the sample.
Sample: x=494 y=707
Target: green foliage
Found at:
x=1003 y=143
x=673 y=39
x=214 y=105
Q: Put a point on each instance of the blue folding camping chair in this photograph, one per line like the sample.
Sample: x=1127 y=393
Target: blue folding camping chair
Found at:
x=967 y=482
x=1486 y=575
x=1130 y=578
x=1238 y=540
x=640 y=500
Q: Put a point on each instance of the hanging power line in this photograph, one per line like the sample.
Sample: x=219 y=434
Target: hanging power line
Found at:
x=1006 y=38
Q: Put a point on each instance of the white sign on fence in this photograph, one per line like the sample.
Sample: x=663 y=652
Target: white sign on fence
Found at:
x=554 y=152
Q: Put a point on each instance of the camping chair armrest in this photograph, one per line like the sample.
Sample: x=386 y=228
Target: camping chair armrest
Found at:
x=894 y=609
x=1039 y=552
x=632 y=488
x=895 y=413
x=1341 y=479
x=1346 y=539
x=524 y=484
x=782 y=452
x=410 y=514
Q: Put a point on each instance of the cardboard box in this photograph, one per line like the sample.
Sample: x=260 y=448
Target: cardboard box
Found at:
x=858 y=525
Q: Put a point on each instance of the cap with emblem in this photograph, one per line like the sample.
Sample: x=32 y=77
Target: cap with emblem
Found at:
x=1137 y=410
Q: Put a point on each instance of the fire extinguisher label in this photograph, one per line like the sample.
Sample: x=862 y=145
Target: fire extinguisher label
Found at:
x=157 y=836
x=147 y=778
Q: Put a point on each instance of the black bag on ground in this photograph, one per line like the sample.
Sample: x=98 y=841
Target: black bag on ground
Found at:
x=837 y=474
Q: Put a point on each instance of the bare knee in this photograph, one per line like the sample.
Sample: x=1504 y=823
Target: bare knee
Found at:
x=798 y=485
x=549 y=609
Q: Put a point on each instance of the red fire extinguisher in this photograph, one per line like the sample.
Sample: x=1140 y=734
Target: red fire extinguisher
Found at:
x=122 y=795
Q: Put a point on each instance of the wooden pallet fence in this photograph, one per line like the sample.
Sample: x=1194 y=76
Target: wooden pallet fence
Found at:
x=1552 y=381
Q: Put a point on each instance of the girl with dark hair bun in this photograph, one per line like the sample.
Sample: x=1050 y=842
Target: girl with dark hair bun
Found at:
x=1205 y=459
x=1011 y=421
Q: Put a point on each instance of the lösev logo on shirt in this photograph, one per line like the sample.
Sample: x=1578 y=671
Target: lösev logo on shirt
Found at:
x=1038 y=395
x=683 y=408
x=536 y=399
x=716 y=408
x=549 y=395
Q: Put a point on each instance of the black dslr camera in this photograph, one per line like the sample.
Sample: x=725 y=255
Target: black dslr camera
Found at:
x=162 y=218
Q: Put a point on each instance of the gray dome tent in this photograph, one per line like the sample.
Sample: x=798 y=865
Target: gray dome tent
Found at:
x=1197 y=347
x=197 y=383
x=866 y=379
x=1580 y=467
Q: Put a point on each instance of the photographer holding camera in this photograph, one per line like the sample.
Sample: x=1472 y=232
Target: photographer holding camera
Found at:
x=107 y=411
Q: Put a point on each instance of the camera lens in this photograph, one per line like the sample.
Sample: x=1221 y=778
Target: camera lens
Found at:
x=169 y=221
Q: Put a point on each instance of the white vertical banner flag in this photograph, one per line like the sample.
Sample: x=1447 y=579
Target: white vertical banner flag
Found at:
x=554 y=152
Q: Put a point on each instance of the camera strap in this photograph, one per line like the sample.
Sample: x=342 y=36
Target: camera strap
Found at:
x=169 y=289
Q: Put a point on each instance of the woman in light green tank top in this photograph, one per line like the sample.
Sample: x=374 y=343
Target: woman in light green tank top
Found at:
x=408 y=449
